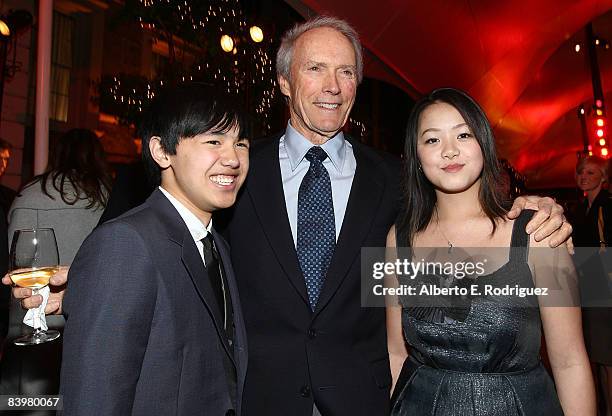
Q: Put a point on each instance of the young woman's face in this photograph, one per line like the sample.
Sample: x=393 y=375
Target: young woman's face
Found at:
x=589 y=177
x=449 y=153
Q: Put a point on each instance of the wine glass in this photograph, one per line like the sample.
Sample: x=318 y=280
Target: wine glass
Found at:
x=33 y=260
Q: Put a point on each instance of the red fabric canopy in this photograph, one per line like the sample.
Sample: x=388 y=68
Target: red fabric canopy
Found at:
x=517 y=58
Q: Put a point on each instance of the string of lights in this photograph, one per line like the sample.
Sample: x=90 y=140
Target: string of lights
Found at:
x=207 y=42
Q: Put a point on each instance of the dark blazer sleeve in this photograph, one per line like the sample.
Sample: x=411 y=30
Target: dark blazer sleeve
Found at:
x=109 y=307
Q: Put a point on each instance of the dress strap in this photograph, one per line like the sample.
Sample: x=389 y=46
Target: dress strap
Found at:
x=519 y=244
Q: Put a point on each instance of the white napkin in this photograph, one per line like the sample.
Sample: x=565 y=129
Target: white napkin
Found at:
x=36 y=317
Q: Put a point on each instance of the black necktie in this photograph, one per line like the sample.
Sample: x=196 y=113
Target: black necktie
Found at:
x=218 y=283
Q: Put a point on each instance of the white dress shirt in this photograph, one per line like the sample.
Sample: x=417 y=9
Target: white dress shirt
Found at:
x=196 y=228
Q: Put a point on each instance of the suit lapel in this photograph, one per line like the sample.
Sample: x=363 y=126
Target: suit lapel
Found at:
x=364 y=199
x=178 y=233
x=265 y=188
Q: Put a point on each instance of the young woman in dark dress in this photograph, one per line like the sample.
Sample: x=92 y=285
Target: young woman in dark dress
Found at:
x=483 y=358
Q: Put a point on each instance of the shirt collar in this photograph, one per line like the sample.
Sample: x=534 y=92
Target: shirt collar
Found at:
x=297 y=146
x=196 y=228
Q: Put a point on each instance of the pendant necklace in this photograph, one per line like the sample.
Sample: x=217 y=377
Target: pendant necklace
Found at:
x=448 y=241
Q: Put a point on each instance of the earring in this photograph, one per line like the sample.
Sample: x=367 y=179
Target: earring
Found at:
x=420 y=168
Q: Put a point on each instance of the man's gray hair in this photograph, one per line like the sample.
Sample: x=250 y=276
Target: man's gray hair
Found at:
x=285 y=51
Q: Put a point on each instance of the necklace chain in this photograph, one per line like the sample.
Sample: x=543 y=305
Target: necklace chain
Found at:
x=448 y=241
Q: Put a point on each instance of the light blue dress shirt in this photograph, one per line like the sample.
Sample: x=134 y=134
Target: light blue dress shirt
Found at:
x=340 y=165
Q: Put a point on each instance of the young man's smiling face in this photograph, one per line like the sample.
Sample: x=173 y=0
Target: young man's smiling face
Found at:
x=206 y=172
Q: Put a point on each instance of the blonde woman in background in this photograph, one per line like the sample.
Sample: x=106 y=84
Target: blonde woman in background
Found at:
x=593 y=228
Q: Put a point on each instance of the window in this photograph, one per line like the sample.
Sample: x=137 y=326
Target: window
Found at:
x=61 y=65
x=159 y=66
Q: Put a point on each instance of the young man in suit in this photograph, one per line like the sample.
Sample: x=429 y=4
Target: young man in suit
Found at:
x=153 y=319
x=313 y=199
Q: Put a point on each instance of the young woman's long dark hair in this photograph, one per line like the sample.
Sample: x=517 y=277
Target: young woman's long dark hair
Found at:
x=78 y=159
x=419 y=199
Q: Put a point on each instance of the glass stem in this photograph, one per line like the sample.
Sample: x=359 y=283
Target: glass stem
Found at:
x=37 y=312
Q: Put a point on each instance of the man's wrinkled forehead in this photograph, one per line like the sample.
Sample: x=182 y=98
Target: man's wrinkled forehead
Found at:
x=310 y=42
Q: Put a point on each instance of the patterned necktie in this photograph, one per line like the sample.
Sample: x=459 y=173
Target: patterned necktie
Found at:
x=316 y=228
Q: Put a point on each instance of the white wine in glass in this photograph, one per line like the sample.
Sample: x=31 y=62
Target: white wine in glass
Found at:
x=33 y=260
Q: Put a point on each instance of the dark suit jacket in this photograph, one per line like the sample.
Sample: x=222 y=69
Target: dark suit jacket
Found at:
x=141 y=337
x=338 y=354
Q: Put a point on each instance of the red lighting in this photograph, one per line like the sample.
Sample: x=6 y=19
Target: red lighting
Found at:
x=600 y=122
x=600 y=132
x=598 y=103
x=590 y=147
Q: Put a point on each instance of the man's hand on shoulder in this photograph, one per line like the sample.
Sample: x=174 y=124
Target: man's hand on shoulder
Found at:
x=548 y=221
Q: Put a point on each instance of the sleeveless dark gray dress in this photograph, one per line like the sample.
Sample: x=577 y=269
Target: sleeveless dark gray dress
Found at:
x=484 y=363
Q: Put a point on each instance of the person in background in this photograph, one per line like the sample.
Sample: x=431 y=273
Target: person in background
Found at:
x=483 y=357
x=130 y=189
x=593 y=228
x=69 y=197
x=6 y=199
x=6 y=194
x=5 y=291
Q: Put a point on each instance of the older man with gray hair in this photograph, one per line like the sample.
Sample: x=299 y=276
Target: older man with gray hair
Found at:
x=313 y=199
